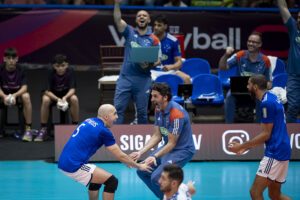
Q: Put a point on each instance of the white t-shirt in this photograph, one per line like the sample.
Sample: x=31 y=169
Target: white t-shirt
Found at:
x=182 y=194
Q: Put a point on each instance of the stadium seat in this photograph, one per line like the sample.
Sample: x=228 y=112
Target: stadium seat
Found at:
x=195 y=66
x=280 y=80
x=172 y=80
x=224 y=76
x=277 y=66
x=207 y=90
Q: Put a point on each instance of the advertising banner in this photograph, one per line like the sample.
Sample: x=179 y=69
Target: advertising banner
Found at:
x=210 y=140
x=39 y=34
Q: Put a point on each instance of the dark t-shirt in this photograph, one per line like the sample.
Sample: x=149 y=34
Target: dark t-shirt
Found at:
x=11 y=82
x=60 y=85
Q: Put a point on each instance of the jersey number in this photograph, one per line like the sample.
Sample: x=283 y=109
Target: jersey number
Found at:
x=77 y=130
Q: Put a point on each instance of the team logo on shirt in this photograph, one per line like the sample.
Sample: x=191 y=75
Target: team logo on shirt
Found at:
x=264 y=112
x=297 y=39
x=163 y=131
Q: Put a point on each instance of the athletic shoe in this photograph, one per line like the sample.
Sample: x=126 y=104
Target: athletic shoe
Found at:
x=42 y=135
x=27 y=136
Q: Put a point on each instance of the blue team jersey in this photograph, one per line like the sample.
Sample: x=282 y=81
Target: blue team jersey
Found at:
x=134 y=39
x=272 y=111
x=89 y=136
x=246 y=67
x=293 y=65
x=170 y=49
x=175 y=120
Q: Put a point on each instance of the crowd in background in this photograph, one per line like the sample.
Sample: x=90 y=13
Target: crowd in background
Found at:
x=166 y=3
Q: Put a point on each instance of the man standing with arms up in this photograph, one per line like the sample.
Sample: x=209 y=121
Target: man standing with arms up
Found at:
x=173 y=126
x=273 y=167
x=293 y=65
x=135 y=78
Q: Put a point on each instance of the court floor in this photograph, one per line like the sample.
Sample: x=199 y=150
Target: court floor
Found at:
x=40 y=180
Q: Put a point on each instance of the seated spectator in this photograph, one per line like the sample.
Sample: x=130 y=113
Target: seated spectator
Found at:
x=13 y=88
x=248 y=62
x=214 y=3
x=177 y=3
x=59 y=89
x=171 y=61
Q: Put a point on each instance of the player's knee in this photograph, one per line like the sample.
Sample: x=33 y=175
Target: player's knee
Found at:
x=94 y=186
x=111 y=184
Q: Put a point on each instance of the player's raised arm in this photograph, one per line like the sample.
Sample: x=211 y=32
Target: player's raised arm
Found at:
x=120 y=23
x=284 y=11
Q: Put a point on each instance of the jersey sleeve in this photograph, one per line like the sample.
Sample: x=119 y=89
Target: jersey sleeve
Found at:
x=176 y=49
x=290 y=25
x=108 y=138
x=23 y=77
x=126 y=32
x=267 y=112
x=176 y=121
x=232 y=61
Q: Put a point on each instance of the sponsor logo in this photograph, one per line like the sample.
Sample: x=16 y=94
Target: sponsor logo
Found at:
x=228 y=136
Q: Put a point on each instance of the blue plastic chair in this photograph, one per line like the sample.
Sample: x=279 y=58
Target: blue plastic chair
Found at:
x=173 y=81
x=207 y=89
x=224 y=76
x=195 y=66
x=280 y=80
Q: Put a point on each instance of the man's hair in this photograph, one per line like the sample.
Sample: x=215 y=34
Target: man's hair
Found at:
x=258 y=34
x=259 y=80
x=59 y=59
x=164 y=89
x=174 y=172
x=161 y=19
x=10 y=52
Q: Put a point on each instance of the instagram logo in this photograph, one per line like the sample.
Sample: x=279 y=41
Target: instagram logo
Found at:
x=239 y=136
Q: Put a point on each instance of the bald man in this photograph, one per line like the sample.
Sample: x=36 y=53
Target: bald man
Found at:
x=88 y=137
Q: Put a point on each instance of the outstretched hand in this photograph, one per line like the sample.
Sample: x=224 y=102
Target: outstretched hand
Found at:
x=144 y=167
x=135 y=156
x=150 y=160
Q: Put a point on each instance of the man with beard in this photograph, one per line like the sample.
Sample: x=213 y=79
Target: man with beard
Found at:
x=135 y=78
x=171 y=184
x=293 y=65
x=273 y=167
x=173 y=126
x=248 y=62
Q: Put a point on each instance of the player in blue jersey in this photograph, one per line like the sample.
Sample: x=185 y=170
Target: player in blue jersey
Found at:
x=88 y=137
x=135 y=78
x=173 y=126
x=171 y=60
x=293 y=65
x=172 y=186
x=248 y=62
x=273 y=167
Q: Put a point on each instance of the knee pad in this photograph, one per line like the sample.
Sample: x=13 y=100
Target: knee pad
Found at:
x=94 y=186
x=111 y=184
